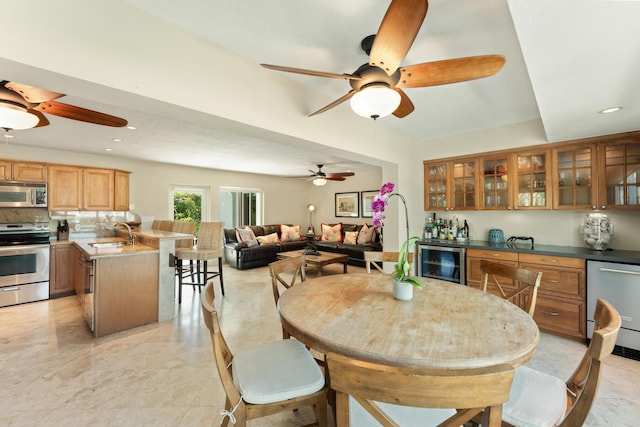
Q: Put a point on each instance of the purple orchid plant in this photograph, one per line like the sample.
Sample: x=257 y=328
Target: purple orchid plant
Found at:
x=379 y=203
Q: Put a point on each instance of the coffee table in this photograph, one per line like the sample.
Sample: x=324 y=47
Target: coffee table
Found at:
x=325 y=258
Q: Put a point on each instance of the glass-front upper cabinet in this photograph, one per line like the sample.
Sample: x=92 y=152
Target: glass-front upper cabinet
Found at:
x=435 y=186
x=494 y=182
x=575 y=177
x=451 y=185
x=532 y=180
x=619 y=186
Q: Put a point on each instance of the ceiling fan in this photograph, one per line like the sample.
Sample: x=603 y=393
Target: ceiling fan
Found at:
x=377 y=86
x=22 y=107
x=320 y=178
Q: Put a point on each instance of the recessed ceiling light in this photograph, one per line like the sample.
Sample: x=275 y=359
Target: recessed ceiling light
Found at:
x=610 y=110
x=131 y=127
x=116 y=140
x=108 y=149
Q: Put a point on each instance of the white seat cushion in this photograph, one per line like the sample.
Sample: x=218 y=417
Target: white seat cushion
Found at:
x=536 y=399
x=405 y=416
x=276 y=371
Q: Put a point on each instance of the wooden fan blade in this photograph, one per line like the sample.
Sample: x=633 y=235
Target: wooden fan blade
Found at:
x=32 y=94
x=406 y=106
x=311 y=72
x=450 y=71
x=80 y=114
x=334 y=103
x=396 y=34
x=43 y=120
x=334 y=178
x=339 y=174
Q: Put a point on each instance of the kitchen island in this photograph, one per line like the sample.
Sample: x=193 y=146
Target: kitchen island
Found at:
x=122 y=285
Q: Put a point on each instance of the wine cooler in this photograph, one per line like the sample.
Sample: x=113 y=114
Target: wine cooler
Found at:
x=440 y=262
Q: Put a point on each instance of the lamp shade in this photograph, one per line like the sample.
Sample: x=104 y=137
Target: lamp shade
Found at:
x=15 y=118
x=319 y=181
x=374 y=101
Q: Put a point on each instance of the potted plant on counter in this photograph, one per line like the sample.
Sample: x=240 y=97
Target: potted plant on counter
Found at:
x=403 y=283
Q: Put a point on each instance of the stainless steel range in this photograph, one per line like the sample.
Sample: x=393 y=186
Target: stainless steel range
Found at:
x=24 y=263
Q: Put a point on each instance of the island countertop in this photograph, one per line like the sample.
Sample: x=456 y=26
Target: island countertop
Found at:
x=125 y=250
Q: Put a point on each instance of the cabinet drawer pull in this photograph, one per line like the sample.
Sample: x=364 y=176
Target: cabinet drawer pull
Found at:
x=552 y=313
x=552 y=281
x=495 y=254
x=549 y=260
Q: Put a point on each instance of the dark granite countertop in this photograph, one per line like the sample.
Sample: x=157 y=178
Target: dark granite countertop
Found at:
x=622 y=256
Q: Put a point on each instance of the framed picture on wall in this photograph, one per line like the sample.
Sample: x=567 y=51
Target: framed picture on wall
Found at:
x=347 y=204
x=366 y=197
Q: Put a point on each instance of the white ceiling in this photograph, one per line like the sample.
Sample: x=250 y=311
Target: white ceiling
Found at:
x=566 y=60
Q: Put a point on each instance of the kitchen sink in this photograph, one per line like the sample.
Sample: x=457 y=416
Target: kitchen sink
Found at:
x=108 y=244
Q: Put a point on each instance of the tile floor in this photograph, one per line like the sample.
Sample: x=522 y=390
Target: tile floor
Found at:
x=55 y=374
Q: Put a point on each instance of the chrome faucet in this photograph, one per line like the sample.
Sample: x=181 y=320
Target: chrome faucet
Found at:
x=132 y=237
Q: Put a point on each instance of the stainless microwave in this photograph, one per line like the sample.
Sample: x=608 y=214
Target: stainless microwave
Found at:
x=23 y=195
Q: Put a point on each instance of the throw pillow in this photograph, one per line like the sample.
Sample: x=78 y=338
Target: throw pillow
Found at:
x=331 y=233
x=270 y=238
x=350 y=237
x=246 y=236
x=289 y=234
x=366 y=235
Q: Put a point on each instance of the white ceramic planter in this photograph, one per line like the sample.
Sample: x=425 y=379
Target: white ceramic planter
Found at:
x=402 y=291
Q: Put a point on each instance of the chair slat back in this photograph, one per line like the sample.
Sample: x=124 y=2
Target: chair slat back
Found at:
x=185 y=227
x=221 y=352
x=372 y=258
x=582 y=386
x=294 y=266
x=210 y=235
x=523 y=280
x=468 y=391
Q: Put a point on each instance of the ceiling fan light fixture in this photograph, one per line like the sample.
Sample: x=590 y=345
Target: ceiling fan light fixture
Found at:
x=319 y=181
x=14 y=117
x=375 y=100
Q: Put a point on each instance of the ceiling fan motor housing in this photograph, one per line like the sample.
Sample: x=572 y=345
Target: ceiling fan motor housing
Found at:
x=373 y=75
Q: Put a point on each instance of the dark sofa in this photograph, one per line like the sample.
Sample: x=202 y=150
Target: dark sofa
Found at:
x=242 y=257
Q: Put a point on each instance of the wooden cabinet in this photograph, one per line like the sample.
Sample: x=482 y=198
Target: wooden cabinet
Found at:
x=98 y=189
x=62 y=264
x=121 y=189
x=64 y=188
x=574 y=174
x=451 y=185
x=561 y=304
x=73 y=188
x=619 y=174
x=516 y=180
x=23 y=171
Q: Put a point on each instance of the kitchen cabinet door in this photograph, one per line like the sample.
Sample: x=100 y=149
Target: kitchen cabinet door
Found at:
x=619 y=172
x=98 y=189
x=495 y=185
x=121 y=197
x=62 y=270
x=574 y=177
x=23 y=171
x=451 y=185
x=532 y=180
x=64 y=188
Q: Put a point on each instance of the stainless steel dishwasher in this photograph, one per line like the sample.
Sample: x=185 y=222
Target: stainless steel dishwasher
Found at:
x=619 y=284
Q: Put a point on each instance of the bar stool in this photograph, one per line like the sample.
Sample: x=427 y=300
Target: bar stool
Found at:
x=185 y=227
x=209 y=247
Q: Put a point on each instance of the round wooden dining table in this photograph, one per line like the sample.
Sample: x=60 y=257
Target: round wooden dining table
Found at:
x=445 y=325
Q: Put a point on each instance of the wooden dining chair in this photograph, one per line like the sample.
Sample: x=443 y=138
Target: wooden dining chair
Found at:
x=376 y=258
x=394 y=396
x=539 y=399
x=515 y=281
x=272 y=378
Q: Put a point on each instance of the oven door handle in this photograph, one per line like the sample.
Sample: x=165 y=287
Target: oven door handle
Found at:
x=11 y=289
x=615 y=270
